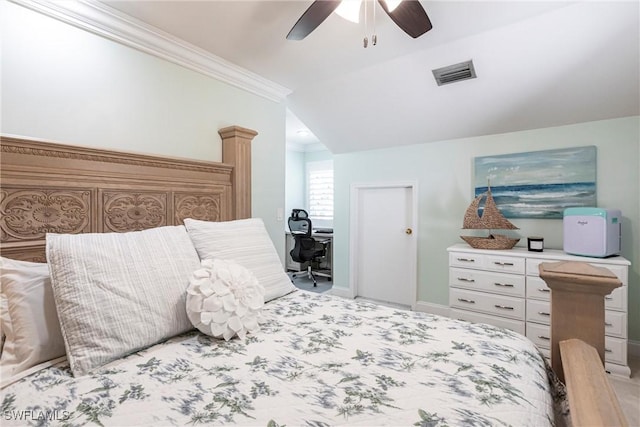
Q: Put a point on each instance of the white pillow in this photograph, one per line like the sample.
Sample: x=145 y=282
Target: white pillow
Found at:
x=29 y=319
x=117 y=293
x=247 y=242
x=224 y=299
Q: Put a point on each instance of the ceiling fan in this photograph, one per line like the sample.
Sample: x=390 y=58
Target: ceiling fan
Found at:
x=409 y=15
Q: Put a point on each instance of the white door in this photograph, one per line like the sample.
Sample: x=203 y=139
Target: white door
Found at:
x=384 y=249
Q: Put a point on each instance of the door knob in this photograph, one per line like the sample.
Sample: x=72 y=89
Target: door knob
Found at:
x=408 y=231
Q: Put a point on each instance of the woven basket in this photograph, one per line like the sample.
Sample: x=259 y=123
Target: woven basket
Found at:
x=494 y=241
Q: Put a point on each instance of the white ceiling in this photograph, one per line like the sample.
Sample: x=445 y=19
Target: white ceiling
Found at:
x=539 y=64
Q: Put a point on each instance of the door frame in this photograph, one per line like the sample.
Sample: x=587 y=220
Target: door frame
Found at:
x=356 y=190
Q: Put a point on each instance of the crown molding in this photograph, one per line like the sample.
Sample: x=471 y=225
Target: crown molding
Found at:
x=104 y=21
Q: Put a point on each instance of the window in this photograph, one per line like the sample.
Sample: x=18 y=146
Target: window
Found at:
x=320 y=192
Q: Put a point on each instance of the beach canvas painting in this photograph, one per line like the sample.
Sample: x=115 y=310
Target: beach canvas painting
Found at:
x=539 y=184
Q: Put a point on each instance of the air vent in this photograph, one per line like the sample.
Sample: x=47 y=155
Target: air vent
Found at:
x=454 y=73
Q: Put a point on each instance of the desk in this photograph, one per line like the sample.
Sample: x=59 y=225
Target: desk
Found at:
x=291 y=265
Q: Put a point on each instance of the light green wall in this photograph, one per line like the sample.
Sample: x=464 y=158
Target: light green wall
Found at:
x=63 y=84
x=317 y=156
x=295 y=182
x=443 y=171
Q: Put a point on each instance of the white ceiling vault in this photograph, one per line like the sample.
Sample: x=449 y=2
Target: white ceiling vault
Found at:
x=539 y=64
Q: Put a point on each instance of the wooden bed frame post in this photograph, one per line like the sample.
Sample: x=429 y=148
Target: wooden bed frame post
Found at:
x=236 y=151
x=577 y=305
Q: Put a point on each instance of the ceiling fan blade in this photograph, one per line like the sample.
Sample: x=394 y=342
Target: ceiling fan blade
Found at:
x=410 y=16
x=311 y=18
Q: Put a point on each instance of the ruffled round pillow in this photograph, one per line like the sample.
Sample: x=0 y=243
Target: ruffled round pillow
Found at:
x=224 y=299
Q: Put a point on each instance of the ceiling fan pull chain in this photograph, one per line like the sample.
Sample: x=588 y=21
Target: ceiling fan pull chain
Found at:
x=374 y=37
x=366 y=26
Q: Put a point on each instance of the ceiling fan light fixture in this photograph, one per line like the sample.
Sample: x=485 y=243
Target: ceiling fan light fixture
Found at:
x=349 y=10
x=392 y=4
x=409 y=15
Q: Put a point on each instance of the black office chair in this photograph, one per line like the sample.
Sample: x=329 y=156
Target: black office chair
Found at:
x=306 y=249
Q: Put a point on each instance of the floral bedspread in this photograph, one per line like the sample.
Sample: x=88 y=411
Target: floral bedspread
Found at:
x=317 y=361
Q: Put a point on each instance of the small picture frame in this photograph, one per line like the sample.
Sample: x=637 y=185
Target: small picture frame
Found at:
x=535 y=244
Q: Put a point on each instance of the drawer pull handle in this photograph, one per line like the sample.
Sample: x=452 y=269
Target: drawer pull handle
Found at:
x=542 y=337
x=504 y=307
x=608 y=324
x=542 y=313
x=608 y=350
x=544 y=289
x=504 y=285
x=466 y=300
x=466 y=259
x=464 y=279
x=505 y=264
x=608 y=298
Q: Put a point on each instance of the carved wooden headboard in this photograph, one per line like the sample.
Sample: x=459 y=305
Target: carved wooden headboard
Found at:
x=55 y=188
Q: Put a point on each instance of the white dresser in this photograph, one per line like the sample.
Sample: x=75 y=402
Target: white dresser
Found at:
x=502 y=288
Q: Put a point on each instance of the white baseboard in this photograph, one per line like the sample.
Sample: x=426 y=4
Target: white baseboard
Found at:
x=431 y=308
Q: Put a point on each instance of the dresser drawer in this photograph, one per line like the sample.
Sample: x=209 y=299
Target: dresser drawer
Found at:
x=615 y=349
x=537 y=288
x=498 y=283
x=539 y=311
x=499 y=263
x=505 y=264
x=615 y=324
x=469 y=316
x=466 y=260
x=616 y=300
x=498 y=305
x=540 y=335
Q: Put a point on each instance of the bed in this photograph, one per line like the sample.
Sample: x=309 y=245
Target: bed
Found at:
x=307 y=359
x=313 y=363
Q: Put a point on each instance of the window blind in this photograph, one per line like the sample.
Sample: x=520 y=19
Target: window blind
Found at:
x=320 y=182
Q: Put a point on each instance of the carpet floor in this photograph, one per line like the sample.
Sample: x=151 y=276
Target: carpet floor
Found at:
x=301 y=281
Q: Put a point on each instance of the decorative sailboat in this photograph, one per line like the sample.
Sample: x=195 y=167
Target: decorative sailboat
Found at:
x=491 y=219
